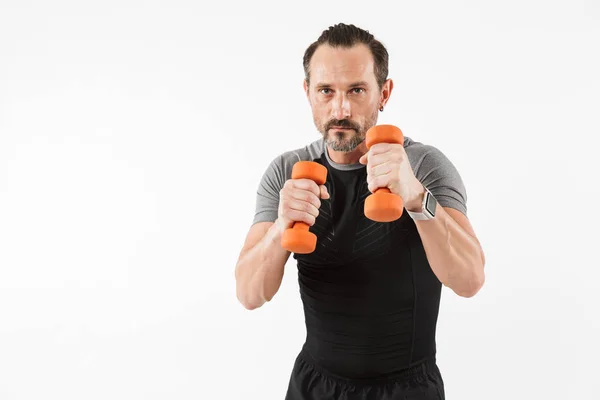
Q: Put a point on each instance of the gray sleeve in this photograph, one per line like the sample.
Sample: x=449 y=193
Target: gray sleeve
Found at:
x=438 y=174
x=267 y=194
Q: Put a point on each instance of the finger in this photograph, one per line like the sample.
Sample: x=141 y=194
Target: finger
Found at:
x=364 y=159
x=303 y=206
x=301 y=216
x=305 y=196
x=381 y=169
x=307 y=184
x=377 y=159
x=377 y=182
x=380 y=148
x=394 y=150
x=324 y=192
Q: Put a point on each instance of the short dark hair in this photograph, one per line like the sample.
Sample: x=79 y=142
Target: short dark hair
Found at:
x=345 y=36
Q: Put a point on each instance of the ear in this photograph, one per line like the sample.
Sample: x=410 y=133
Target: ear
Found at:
x=305 y=87
x=386 y=91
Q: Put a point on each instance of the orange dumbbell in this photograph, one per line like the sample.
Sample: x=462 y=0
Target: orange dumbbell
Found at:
x=383 y=205
x=298 y=239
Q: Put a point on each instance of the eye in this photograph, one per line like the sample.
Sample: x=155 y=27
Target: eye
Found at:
x=325 y=90
x=358 y=90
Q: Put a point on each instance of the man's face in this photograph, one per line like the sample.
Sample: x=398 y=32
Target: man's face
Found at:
x=344 y=95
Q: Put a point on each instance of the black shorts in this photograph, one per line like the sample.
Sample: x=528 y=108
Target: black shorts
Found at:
x=309 y=382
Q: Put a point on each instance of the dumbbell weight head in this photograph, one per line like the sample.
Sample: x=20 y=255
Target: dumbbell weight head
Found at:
x=382 y=205
x=298 y=239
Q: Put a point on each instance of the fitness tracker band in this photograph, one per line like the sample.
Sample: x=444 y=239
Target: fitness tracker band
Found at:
x=428 y=208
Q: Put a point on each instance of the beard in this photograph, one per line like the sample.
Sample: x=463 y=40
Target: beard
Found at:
x=345 y=140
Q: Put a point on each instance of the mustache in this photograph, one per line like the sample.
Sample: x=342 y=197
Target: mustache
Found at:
x=344 y=123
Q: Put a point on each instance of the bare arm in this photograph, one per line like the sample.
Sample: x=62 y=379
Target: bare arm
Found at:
x=260 y=266
x=453 y=250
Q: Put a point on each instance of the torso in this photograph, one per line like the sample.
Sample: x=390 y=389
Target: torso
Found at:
x=370 y=298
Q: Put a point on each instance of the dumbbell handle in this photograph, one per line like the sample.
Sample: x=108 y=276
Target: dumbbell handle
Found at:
x=383 y=205
x=298 y=239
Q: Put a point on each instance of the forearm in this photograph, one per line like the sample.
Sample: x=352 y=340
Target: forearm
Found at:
x=259 y=271
x=454 y=255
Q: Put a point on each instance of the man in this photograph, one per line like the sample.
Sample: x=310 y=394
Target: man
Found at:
x=370 y=290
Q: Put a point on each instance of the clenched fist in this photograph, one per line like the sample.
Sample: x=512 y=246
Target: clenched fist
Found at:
x=388 y=166
x=299 y=201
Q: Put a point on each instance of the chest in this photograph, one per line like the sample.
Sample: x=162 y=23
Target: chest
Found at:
x=345 y=235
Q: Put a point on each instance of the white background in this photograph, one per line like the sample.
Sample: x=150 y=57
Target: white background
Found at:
x=132 y=139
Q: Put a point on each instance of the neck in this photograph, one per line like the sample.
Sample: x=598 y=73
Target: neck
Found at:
x=347 y=157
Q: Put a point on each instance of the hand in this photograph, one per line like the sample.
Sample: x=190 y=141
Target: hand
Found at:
x=388 y=166
x=299 y=201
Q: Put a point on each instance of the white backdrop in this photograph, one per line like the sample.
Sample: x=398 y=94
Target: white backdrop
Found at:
x=132 y=139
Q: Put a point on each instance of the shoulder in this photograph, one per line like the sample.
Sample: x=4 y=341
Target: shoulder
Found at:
x=281 y=165
x=418 y=151
x=427 y=158
x=434 y=169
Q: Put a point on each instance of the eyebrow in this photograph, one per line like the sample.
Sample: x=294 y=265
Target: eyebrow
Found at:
x=360 y=83
x=321 y=85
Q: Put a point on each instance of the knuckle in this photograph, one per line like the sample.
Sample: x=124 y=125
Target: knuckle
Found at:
x=315 y=188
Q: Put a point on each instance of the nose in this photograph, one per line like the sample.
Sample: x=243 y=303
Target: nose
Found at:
x=340 y=108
